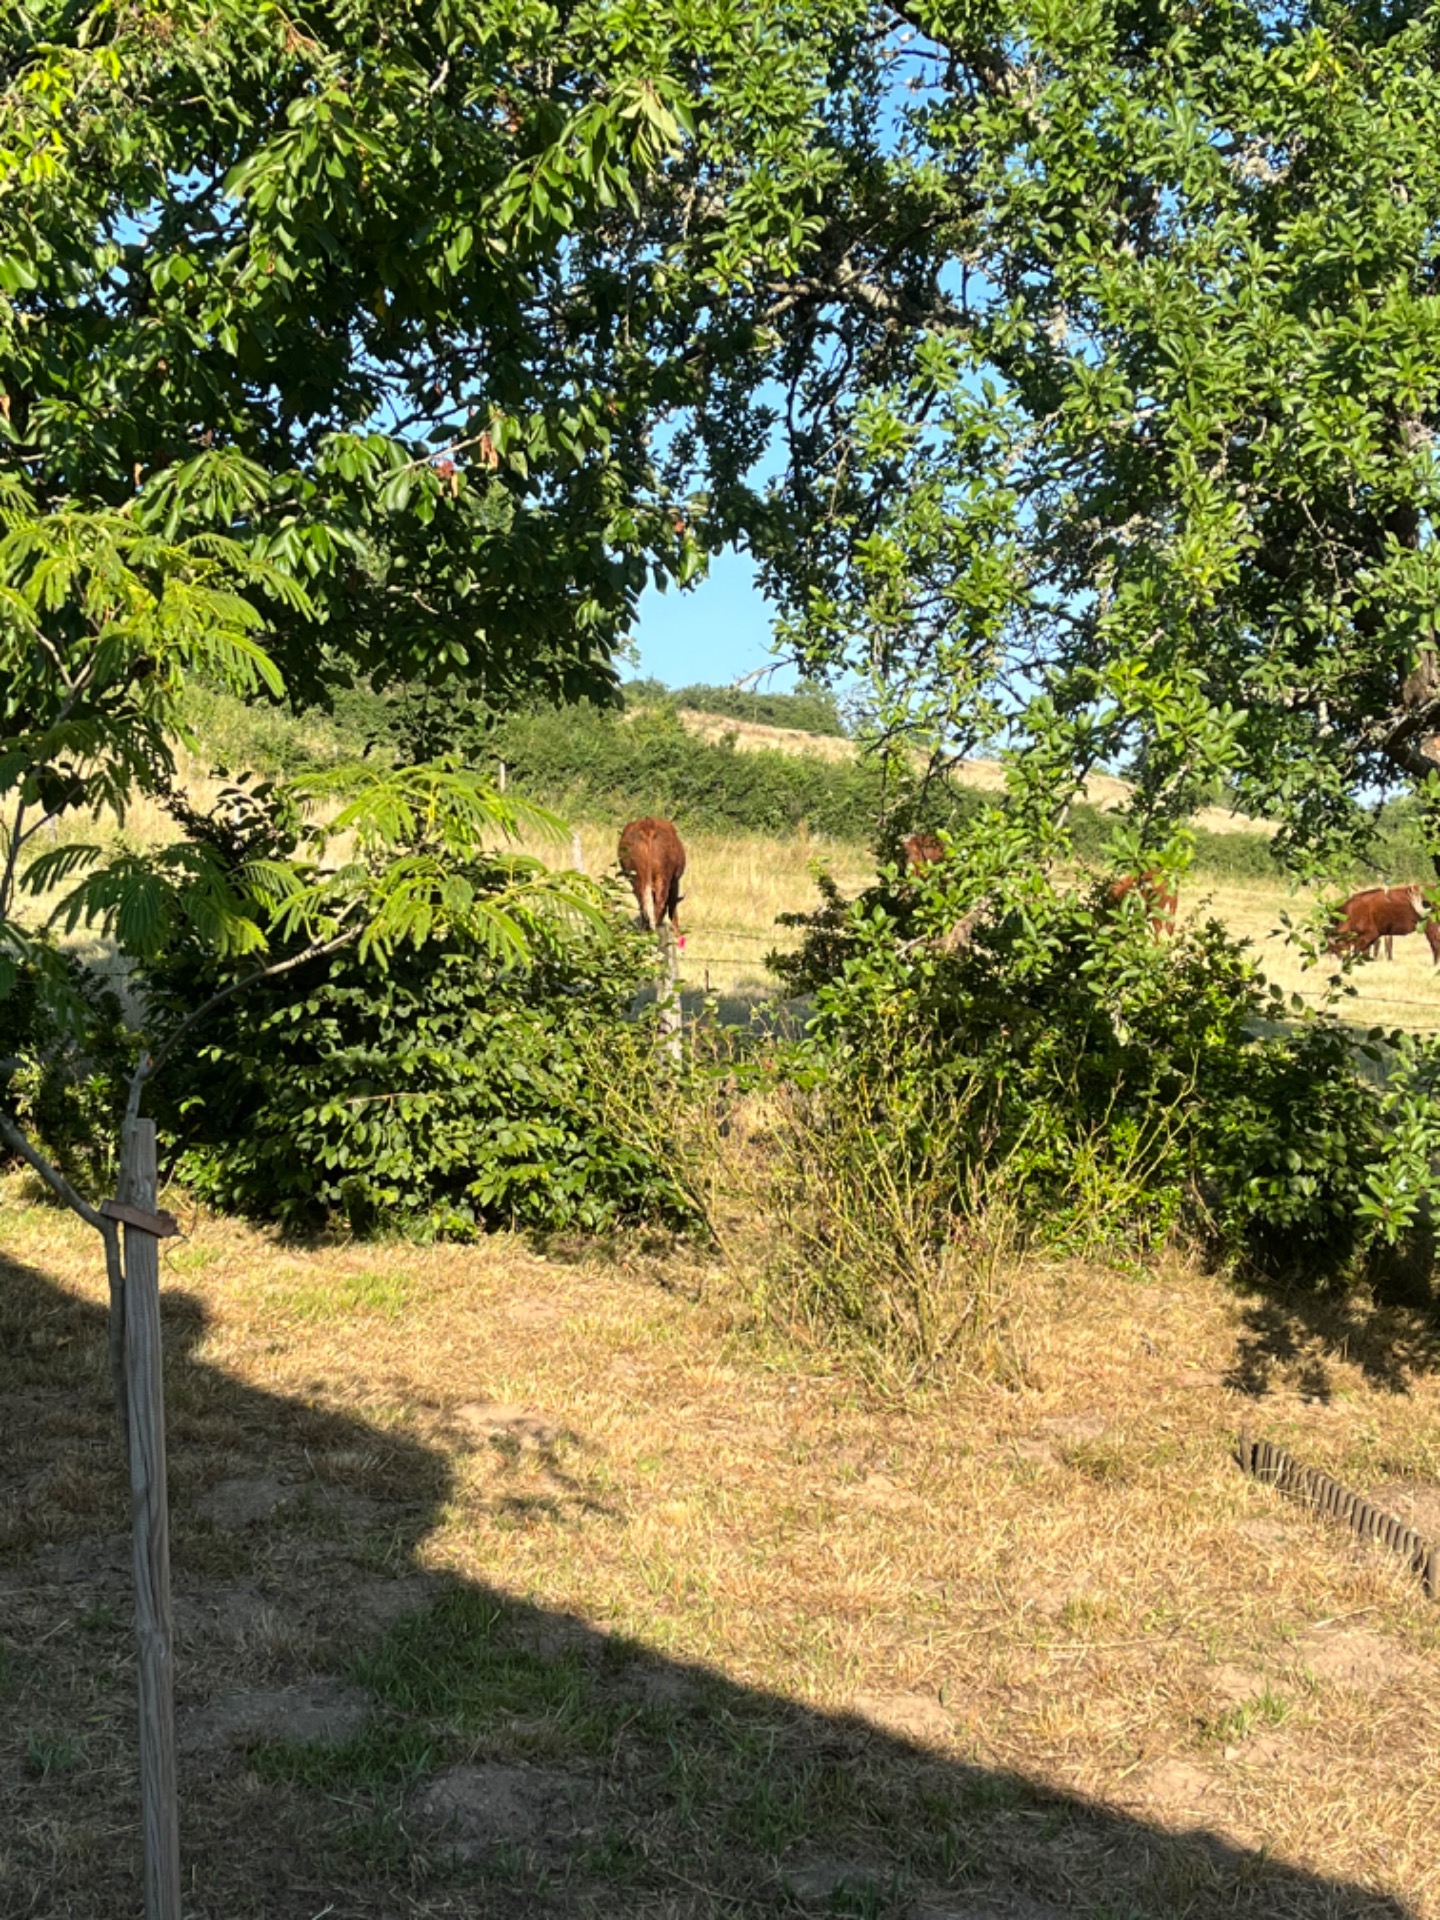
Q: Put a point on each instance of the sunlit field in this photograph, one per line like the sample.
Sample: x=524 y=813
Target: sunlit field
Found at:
x=735 y=887
x=1404 y=992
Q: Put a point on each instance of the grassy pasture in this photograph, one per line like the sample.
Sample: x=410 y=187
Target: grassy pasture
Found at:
x=734 y=887
x=521 y=1585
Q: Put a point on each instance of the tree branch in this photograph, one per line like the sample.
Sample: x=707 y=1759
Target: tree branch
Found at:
x=150 y=1066
x=56 y=1181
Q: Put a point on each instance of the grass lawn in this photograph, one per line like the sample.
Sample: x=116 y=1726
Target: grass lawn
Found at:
x=515 y=1584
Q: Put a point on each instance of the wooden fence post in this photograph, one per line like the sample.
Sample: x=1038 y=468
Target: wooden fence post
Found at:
x=670 y=1017
x=150 y=1521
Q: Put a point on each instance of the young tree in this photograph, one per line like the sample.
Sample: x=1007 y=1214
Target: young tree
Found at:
x=333 y=340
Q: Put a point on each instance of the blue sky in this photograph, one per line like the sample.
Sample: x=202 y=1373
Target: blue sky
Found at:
x=712 y=634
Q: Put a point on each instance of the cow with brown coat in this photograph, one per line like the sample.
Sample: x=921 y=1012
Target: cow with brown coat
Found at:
x=1380 y=914
x=921 y=850
x=1157 y=893
x=652 y=858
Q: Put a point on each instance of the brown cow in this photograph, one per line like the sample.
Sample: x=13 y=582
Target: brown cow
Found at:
x=1158 y=895
x=652 y=858
x=1378 y=914
x=921 y=850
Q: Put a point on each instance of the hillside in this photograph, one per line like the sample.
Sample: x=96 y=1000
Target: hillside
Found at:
x=1103 y=791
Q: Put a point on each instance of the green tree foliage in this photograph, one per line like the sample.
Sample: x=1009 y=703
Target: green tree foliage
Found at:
x=1121 y=447
x=69 y=1093
x=332 y=342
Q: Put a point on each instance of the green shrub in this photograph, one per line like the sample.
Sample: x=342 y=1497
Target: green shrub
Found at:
x=68 y=1090
x=1118 y=1085
x=592 y=762
x=439 y=1096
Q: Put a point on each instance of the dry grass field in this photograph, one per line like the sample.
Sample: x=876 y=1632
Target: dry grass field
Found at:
x=527 y=1581
x=520 y=1584
x=735 y=887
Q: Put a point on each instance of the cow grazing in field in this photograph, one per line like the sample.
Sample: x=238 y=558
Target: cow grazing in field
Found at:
x=652 y=858
x=1159 y=897
x=921 y=850
x=1380 y=914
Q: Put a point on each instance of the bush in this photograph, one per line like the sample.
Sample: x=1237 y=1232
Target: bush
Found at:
x=1117 y=1087
x=439 y=1096
x=894 y=1235
x=68 y=1092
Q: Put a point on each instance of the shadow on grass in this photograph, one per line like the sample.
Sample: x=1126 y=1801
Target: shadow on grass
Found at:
x=1389 y=1327
x=361 y=1737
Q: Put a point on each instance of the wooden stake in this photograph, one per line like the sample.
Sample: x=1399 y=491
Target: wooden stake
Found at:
x=150 y=1521
x=670 y=990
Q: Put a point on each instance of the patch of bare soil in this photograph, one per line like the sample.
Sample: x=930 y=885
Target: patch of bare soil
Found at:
x=1075 y=1427
x=914 y=1716
x=1273 y=1534
x=320 y=1710
x=494 y=1420
x=1182 y=1791
x=881 y=1494
x=1416 y=1502
x=1235 y=1686
x=473 y=1811
x=831 y=1885
x=1357 y=1658
x=242 y=1502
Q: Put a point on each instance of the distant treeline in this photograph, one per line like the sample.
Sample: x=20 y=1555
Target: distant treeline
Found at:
x=809 y=709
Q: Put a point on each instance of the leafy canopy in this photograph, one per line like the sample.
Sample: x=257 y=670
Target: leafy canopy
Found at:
x=1123 y=446
x=334 y=340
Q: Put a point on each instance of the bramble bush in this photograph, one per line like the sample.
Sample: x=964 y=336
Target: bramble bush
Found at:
x=591 y=761
x=442 y=1095
x=977 y=1042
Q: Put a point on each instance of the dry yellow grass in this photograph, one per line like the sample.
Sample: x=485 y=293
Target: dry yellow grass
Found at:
x=1037 y=1638
x=752 y=736
x=1404 y=992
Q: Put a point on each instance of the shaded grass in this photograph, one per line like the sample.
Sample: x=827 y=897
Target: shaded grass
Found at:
x=767 y=1614
x=453 y=1665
